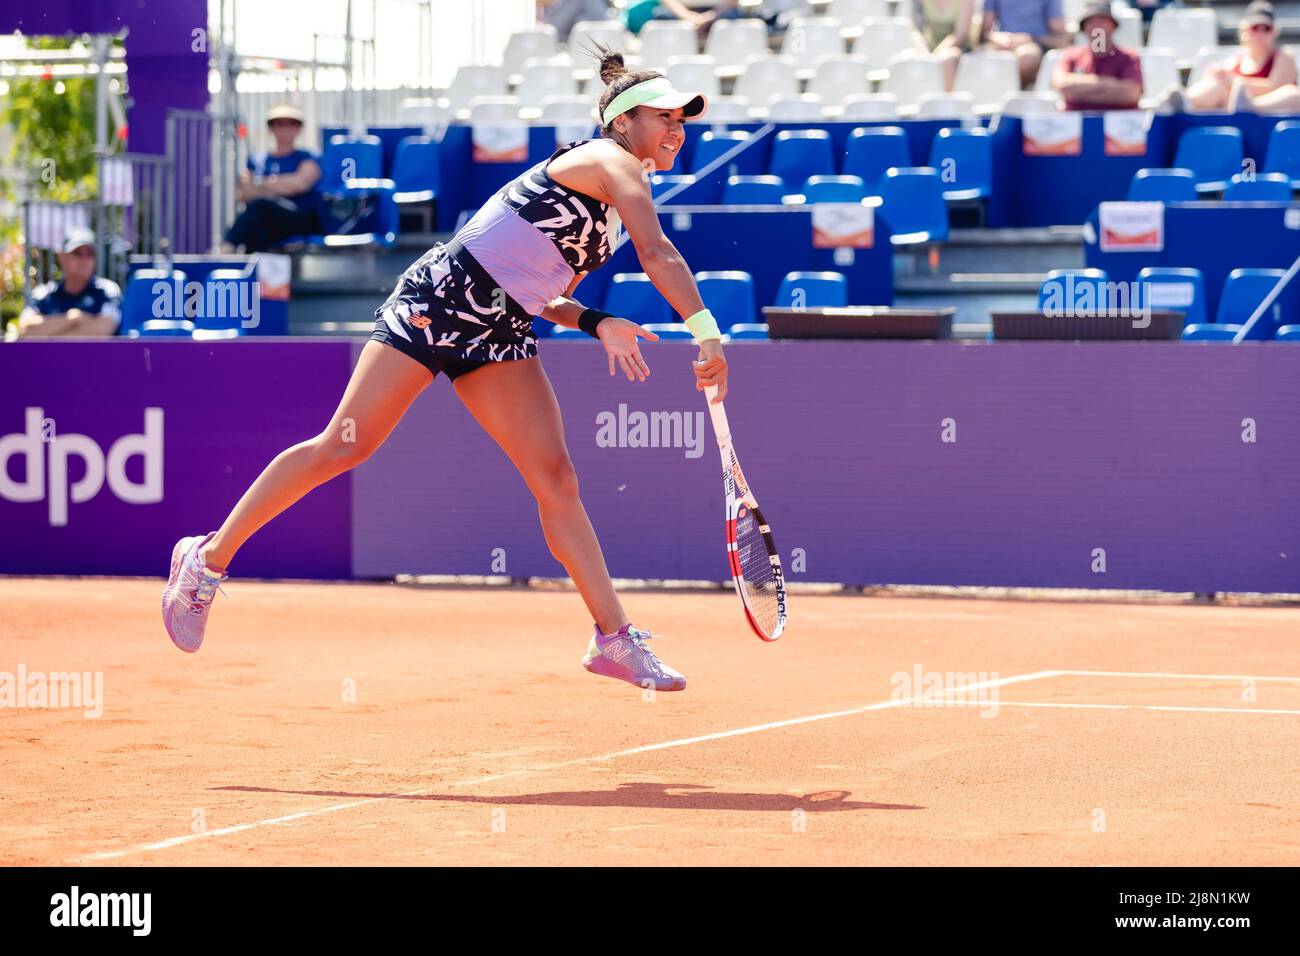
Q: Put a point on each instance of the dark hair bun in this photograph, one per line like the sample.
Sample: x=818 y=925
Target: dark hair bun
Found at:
x=611 y=64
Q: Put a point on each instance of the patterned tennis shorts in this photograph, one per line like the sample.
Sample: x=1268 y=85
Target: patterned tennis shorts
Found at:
x=440 y=316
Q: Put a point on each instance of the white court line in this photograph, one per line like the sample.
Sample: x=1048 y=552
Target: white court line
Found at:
x=683 y=742
x=993 y=705
x=1289 y=680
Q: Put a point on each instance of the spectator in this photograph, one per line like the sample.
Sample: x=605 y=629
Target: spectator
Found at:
x=702 y=14
x=563 y=14
x=1027 y=28
x=82 y=303
x=946 y=27
x=1262 y=78
x=1096 y=74
x=278 y=190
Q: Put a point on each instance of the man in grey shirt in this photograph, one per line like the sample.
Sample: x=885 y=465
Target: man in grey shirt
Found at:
x=1026 y=28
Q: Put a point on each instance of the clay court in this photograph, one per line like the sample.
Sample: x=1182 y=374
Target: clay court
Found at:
x=1109 y=733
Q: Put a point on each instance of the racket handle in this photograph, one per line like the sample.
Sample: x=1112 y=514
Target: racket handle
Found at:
x=720 y=426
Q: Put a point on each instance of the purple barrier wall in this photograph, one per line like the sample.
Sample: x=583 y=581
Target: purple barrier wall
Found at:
x=1061 y=448
x=225 y=410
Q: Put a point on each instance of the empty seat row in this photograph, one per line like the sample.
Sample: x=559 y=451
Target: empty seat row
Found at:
x=1173 y=289
x=1211 y=159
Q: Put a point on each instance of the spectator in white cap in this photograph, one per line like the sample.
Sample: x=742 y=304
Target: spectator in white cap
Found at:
x=81 y=303
x=278 y=190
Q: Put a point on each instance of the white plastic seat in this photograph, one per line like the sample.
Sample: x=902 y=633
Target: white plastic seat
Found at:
x=1022 y=104
x=882 y=40
x=494 y=109
x=851 y=13
x=838 y=77
x=694 y=73
x=987 y=75
x=425 y=112
x=799 y=108
x=945 y=106
x=766 y=76
x=868 y=107
x=588 y=32
x=732 y=42
x=910 y=77
x=1183 y=31
x=1159 y=71
x=809 y=38
x=472 y=81
x=1043 y=82
x=1129 y=31
x=662 y=39
x=543 y=78
x=569 y=108
x=726 y=109
x=535 y=44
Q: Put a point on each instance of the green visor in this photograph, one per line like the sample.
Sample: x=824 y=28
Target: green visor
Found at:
x=657 y=92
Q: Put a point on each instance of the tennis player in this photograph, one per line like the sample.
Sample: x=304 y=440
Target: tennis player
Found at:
x=465 y=309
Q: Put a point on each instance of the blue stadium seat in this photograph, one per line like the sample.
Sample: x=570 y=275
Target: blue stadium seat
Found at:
x=357 y=157
x=713 y=144
x=376 y=227
x=800 y=153
x=1243 y=291
x=1073 y=291
x=748 y=330
x=1176 y=290
x=1288 y=333
x=416 y=174
x=874 y=149
x=817 y=290
x=670 y=331
x=1212 y=332
x=226 y=294
x=660 y=183
x=167 y=328
x=633 y=296
x=1162 y=185
x=753 y=191
x=964 y=158
x=1284 y=151
x=728 y=295
x=834 y=189
x=913 y=205
x=1212 y=153
x=1265 y=187
x=139 y=297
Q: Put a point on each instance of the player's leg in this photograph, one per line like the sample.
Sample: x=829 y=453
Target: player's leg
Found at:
x=515 y=404
x=383 y=386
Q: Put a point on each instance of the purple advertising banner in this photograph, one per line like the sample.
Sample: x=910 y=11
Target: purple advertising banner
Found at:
x=112 y=451
x=1120 y=465
x=1116 y=465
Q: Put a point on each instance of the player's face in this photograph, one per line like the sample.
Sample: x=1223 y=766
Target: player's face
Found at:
x=657 y=134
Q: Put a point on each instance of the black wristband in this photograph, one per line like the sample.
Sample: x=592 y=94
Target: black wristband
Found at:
x=590 y=318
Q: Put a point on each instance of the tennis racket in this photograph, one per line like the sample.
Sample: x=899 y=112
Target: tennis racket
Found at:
x=753 y=558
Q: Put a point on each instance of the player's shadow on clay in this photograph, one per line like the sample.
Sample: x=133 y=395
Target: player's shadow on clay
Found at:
x=669 y=796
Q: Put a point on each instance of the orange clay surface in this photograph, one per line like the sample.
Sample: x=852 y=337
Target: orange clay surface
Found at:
x=475 y=737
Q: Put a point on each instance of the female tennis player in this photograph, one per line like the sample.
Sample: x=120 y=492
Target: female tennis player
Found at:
x=464 y=309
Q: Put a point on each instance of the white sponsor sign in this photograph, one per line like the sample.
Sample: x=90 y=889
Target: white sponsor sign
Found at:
x=1131 y=226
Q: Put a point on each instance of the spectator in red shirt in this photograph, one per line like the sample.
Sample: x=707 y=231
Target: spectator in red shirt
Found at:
x=1097 y=74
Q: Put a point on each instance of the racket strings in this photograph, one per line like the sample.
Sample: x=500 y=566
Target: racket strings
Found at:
x=756 y=574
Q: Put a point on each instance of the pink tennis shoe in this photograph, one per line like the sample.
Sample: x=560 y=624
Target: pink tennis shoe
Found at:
x=188 y=596
x=624 y=656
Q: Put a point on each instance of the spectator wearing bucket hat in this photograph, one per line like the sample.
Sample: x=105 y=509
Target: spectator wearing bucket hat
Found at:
x=1096 y=74
x=81 y=303
x=278 y=190
x=1260 y=79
